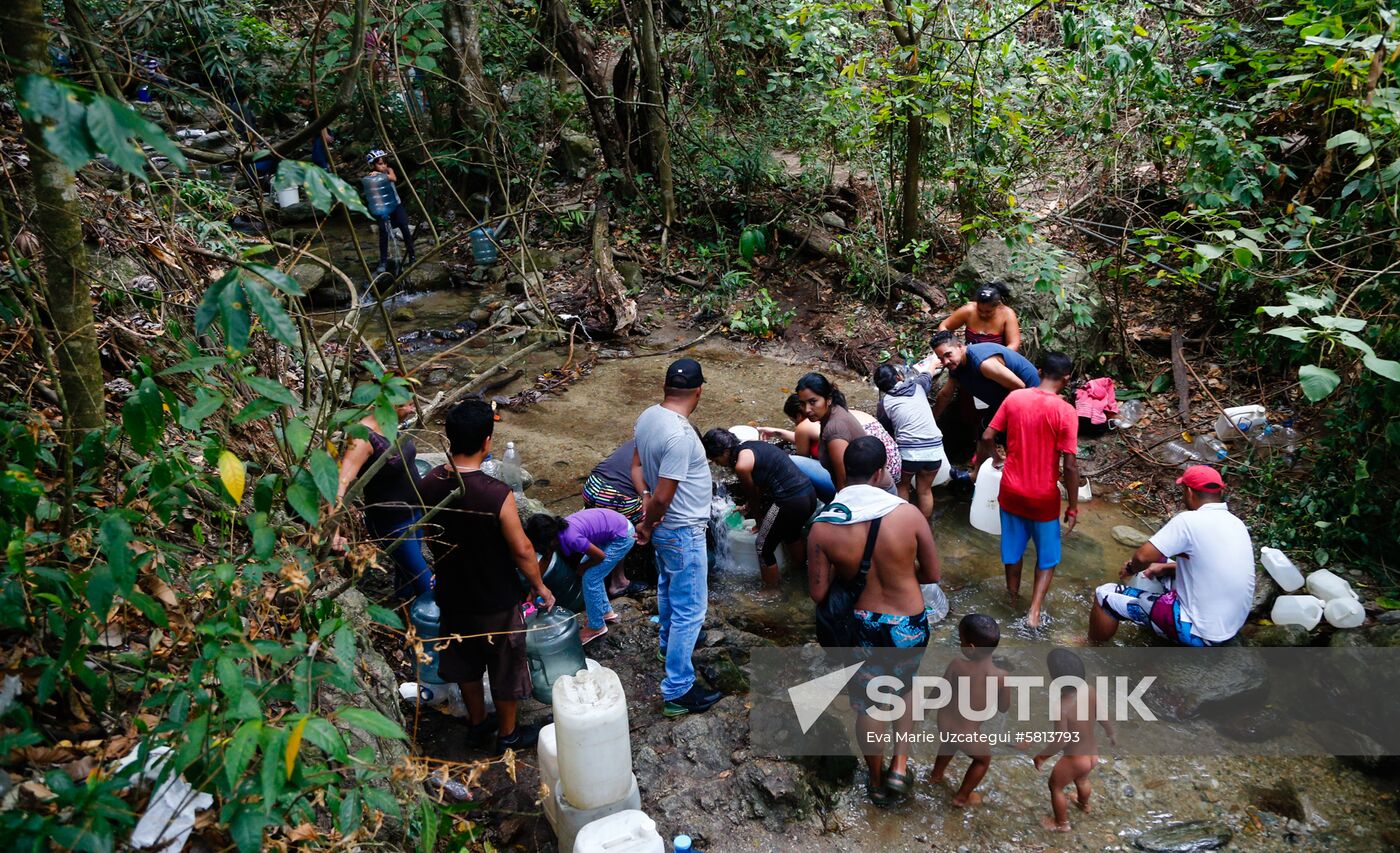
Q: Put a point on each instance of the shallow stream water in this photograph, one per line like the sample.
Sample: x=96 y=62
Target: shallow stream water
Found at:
x=562 y=437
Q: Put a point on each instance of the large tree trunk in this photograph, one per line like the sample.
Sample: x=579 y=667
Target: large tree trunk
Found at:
x=476 y=103
x=579 y=53
x=658 y=130
x=57 y=223
x=909 y=190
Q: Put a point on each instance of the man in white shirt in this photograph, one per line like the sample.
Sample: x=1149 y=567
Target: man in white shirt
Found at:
x=1205 y=558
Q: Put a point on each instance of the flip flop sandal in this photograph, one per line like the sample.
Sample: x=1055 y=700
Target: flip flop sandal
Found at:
x=897 y=784
x=879 y=796
x=612 y=618
x=633 y=588
x=594 y=637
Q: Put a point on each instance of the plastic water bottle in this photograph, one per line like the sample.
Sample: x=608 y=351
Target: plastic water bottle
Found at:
x=509 y=472
x=380 y=196
x=1210 y=448
x=683 y=844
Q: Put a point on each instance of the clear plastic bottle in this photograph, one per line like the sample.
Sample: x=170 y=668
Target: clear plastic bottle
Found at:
x=508 y=472
x=1210 y=448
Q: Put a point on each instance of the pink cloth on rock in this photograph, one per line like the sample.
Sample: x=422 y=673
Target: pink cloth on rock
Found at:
x=1096 y=400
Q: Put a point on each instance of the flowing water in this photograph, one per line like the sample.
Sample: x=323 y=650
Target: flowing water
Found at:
x=562 y=437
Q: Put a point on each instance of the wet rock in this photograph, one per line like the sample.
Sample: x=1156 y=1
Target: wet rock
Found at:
x=777 y=789
x=402 y=314
x=1389 y=617
x=429 y=275
x=574 y=156
x=1266 y=589
x=1382 y=636
x=1211 y=688
x=536 y=260
x=479 y=315
x=320 y=287
x=1129 y=536
x=501 y=315
x=631 y=274
x=437 y=377
x=1282 y=800
x=302 y=211
x=510 y=336
x=832 y=220
x=1184 y=837
x=1254 y=726
x=1268 y=636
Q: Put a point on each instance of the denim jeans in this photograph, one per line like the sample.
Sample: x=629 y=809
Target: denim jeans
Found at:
x=595 y=592
x=820 y=477
x=681 y=597
x=412 y=577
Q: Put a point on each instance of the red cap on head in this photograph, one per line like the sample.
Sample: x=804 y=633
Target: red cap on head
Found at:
x=1202 y=478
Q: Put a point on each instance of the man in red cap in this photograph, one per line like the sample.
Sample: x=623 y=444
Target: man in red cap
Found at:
x=1205 y=559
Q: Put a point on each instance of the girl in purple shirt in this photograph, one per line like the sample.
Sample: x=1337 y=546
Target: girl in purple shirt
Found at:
x=593 y=541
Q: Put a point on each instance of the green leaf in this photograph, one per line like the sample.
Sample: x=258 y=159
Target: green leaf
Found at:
x=1209 y=252
x=271 y=390
x=1352 y=341
x=1329 y=321
x=1359 y=141
x=209 y=305
x=372 y=722
x=1160 y=384
x=247 y=828
x=325 y=737
x=1293 y=333
x=259 y=408
x=273 y=315
x=1317 y=381
x=58 y=108
x=236 y=317
x=298 y=436
x=206 y=403
x=385 y=616
x=240 y=750
x=323 y=189
x=113 y=138
x=143 y=415
x=302 y=497
x=326 y=474
x=192 y=365
x=1384 y=366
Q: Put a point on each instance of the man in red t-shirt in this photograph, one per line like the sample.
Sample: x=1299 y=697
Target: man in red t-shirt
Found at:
x=1041 y=429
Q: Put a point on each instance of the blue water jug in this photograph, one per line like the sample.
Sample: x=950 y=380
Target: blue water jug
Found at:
x=426 y=618
x=380 y=196
x=552 y=649
x=483 y=240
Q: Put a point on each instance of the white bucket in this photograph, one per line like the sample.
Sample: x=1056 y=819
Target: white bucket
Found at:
x=744 y=432
x=288 y=197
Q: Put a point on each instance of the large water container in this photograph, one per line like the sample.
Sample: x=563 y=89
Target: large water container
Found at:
x=1328 y=586
x=548 y=751
x=552 y=649
x=1281 y=569
x=425 y=616
x=595 y=744
x=1240 y=419
x=945 y=473
x=743 y=549
x=569 y=821
x=1146 y=584
x=1304 y=610
x=562 y=580
x=1344 y=613
x=629 y=831
x=986 y=512
x=380 y=196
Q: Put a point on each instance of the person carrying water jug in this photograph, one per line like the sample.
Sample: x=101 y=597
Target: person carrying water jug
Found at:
x=386 y=208
x=1205 y=558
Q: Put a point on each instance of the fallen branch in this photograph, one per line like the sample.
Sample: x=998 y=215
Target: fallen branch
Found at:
x=685 y=346
x=472 y=384
x=824 y=243
x=1183 y=387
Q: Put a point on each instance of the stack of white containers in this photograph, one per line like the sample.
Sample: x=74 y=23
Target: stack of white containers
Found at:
x=586 y=765
x=1328 y=595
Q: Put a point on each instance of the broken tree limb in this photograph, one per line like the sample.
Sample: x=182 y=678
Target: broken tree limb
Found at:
x=472 y=384
x=612 y=292
x=1183 y=387
x=823 y=242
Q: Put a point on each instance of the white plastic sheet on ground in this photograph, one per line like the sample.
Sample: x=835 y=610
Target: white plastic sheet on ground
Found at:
x=170 y=815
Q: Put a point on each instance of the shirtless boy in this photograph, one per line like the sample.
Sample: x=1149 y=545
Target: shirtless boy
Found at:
x=985 y=682
x=1080 y=747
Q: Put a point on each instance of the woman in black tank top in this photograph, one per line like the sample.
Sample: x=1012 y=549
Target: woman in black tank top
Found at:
x=778 y=495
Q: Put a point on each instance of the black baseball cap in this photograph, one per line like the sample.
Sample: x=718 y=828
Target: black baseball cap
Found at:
x=684 y=373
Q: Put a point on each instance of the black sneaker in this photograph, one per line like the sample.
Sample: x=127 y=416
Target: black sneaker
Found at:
x=693 y=701
x=479 y=733
x=524 y=737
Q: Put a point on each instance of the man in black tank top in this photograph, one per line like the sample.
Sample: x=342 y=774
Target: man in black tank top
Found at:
x=777 y=495
x=478 y=542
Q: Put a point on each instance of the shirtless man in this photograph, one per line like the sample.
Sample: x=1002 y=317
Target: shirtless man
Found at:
x=864 y=522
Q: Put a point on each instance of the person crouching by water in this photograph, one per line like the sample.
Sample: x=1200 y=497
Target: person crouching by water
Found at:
x=1206 y=559
x=614 y=485
x=478 y=544
x=391 y=500
x=870 y=550
x=776 y=494
x=824 y=403
x=593 y=541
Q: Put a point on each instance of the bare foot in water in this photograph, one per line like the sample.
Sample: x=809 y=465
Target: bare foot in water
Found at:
x=973 y=799
x=1050 y=824
x=1033 y=619
x=1039 y=761
x=1083 y=805
x=937 y=778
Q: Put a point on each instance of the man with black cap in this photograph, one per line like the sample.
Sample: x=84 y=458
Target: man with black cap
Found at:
x=1205 y=558
x=675 y=514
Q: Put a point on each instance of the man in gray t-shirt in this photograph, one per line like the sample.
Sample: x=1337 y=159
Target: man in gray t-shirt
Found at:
x=676 y=510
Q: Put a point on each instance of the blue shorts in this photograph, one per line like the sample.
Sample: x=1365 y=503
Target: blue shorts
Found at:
x=1016 y=532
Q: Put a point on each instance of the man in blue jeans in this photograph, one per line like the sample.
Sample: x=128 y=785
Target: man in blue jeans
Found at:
x=676 y=511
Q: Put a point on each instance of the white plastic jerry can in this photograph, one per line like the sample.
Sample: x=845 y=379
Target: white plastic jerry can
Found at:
x=1328 y=586
x=1281 y=569
x=594 y=741
x=986 y=512
x=1344 y=613
x=628 y=831
x=1304 y=610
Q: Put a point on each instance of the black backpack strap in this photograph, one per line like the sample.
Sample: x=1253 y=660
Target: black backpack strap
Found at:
x=869 y=546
